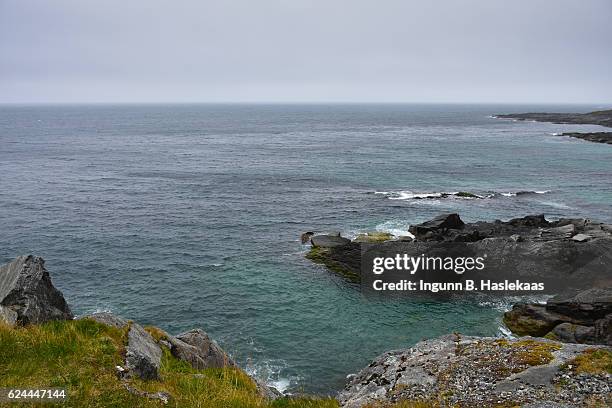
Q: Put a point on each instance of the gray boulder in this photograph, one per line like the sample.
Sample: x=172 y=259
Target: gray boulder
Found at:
x=584 y=306
x=8 y=316
x=107 y=319
x=329 y=241
x=27 y=294
x=143 y=355
x=199 y=350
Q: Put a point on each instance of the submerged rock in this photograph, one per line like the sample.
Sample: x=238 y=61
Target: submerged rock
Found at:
x=484 y=372
x=27 y=295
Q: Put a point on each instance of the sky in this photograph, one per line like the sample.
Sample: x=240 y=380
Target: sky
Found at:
x=474 y=51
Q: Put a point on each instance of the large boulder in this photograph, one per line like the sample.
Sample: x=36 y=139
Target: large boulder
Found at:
x=143 y=355
x=440 y=223
x=27 y=295
x=197 y=348
x=106 y=318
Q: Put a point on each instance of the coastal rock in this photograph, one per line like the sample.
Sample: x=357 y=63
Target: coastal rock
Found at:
x=107 y=319
x=143 y=355
x=602 y=118
x=305 y=237
x=268 y=392
x=8 y=316
x=27 y=294
x=532 y=320
x=442 y=222
x=329 y=241
x=584 y=306
x=199 y=350
x=530 y=248
x=581 y=238
x=576 y=317
x=485 y=372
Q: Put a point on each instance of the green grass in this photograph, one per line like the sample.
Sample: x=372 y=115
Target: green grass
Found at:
x=593 y=361
x=81 y=356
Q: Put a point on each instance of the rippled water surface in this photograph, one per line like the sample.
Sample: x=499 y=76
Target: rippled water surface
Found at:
x=185 y=216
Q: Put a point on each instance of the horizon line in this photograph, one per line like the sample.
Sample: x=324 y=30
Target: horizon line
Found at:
x=238 y=102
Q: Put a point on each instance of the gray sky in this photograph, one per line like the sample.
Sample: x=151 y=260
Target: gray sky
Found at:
x=306 y=50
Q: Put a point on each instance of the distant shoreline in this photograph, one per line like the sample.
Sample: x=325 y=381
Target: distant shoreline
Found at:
x=601 y=118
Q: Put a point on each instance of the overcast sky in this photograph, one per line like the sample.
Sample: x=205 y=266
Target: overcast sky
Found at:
x=306 y=50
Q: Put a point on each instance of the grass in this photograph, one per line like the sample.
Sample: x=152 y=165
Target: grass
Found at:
x=533 y=353
x=81 y=356
x=374 y=237
x=593 y=361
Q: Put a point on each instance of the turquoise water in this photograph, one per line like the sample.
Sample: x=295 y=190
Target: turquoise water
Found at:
x=190 y=215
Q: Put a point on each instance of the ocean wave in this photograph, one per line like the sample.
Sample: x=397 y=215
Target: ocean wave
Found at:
x=463 y=195
x=269 y=371
x=395 y=228
x=410 y=195
x=524 y=192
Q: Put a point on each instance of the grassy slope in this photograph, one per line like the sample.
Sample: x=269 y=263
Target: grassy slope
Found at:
x=81 y=356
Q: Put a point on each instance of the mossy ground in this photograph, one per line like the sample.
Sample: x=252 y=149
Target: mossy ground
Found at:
x=81 y=356
x=374 y=237
x=321 y=256
x=593 y=361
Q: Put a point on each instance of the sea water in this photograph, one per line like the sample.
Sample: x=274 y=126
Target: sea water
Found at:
x=189 y=216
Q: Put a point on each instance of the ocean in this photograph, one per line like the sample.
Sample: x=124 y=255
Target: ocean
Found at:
x=188 y=216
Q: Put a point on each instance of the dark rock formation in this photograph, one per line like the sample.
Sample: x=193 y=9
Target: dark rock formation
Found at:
x=530 y=248
x=597 y=137
x=329 y=241
x=27 y=295
x=574 y=317
x=143 y=354
x=484 y=372
x=440 y=224
x=602 y=118
x=199 y=350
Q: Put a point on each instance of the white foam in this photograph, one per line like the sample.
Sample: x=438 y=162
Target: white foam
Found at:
x=395 y=228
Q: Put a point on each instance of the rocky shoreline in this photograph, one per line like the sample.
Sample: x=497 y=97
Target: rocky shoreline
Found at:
x=568 y=253
x=485 y=372
x=601 y=118
x=449 y=371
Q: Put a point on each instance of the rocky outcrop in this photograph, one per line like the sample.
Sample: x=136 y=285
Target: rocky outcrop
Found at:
x=338 y=254
x=574 y=317
x=199 y=350
x=441 y=223
x=602 y=118
x=484 y=372
x=597 y=137
x=143 y=354
x=27 y=295
x=567 y=253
